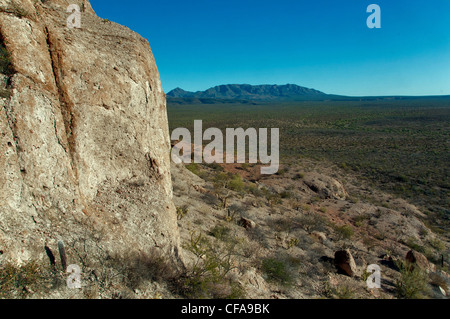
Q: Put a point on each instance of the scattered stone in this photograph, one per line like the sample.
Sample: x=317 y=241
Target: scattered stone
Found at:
x=319 y=236
x=200 y=189
x=325 y=186
x=247 y=223
x=420 y=260
x=344 y=262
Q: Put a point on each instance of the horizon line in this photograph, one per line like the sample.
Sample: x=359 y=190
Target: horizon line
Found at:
x=344 y=95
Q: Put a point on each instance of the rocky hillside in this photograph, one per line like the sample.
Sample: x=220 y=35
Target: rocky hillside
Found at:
x=309 y=231
x=84 y=139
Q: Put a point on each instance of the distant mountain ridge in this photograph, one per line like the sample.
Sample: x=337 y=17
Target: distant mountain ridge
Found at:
x=252 y=92
x=255 y=94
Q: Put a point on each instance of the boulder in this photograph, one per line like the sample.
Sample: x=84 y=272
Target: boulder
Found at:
x=319 y=236
x=325 y=186
x=344 y=262
x=419 y=260
x=247 y=223
x=84 y=136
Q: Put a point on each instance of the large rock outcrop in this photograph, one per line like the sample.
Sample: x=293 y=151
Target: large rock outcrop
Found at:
x=84 y=140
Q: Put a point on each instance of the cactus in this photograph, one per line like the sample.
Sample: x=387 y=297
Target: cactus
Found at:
x=62 y=255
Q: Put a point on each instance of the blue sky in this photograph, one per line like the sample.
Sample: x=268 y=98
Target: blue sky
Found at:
x=321 y=44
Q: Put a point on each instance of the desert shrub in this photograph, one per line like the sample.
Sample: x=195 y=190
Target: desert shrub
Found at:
x=292 y=242
x=272 y=198
x=253 y=189
x=258 y=235
x=233 y=212
x=182 y=211
x=323 y=209
x=344 y=292
x=360 y=219
x=437 y=244
x=311 y=222
x=282 y=171
x=327 y=290
x=286 y=194
x=251 y=249
x=298 y=176
x=20 y=281
x=221 y=232
x=315 y=199
x=208 y=276
x=277 y=270
x=236 y=183
x=214 y=166
x=280 y=224
x=221 y=180
x=423 y=231
x=344 y=231
x=305 y=207
x=210 y=199
x=194 y=168
x=413 y=281
x=245 y=166
x=135 y=268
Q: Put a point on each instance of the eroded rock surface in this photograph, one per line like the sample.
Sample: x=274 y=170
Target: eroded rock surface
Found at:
x=84 y=141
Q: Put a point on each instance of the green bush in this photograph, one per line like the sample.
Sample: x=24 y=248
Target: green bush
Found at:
x=253 y=189
x=280 y=224
x=361 y=219
x=136 y=268
x=221 y=232
x=194 y=168
x=207 y=277
x=286 y=194
x=311 y=222
x=215 y=166
x=437 y=244
x=345 y=231
x=236 y=183
x=344 y=292
x=19 y=281
x=413 y=281
x=277 y=270
x=272 y=198
x=181 y=212
x=298 y=176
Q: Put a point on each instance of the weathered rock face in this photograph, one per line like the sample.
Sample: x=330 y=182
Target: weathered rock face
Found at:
x=325 y=186
x=84 y=141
